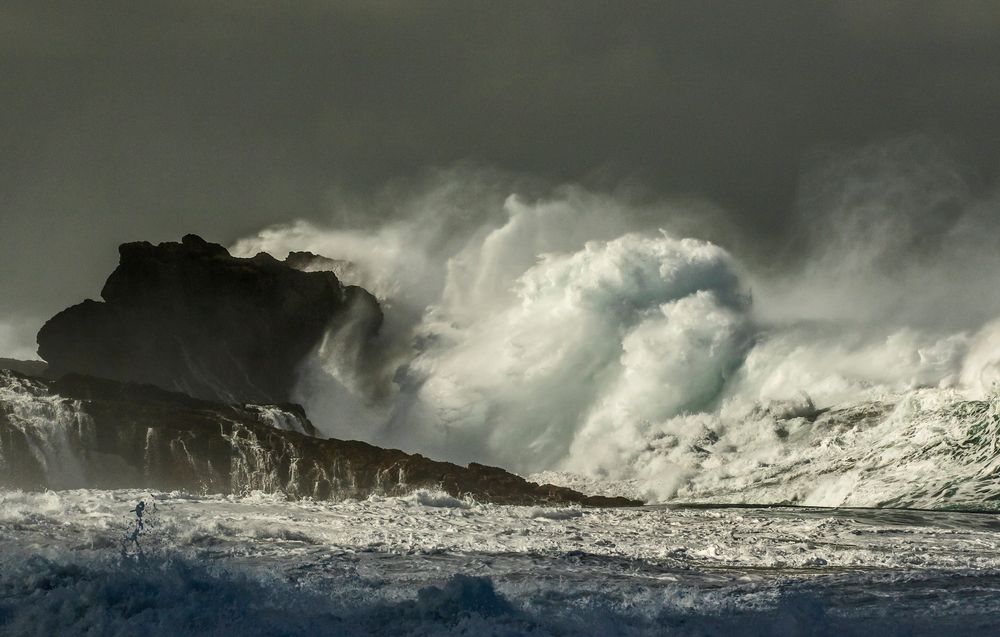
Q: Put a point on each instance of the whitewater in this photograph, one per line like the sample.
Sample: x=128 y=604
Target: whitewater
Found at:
x=430 y=564
x=560 y=338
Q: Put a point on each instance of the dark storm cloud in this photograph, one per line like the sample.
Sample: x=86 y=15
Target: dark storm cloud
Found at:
x=124 y=121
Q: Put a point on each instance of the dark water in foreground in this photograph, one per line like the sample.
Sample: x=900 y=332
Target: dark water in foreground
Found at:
x=433 y=565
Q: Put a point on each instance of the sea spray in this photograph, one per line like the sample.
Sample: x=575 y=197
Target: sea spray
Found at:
x=548 y=334
x=51 y=426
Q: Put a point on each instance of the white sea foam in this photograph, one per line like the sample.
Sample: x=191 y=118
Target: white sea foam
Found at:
x=262 y=565
x=428 y=498
x=278 y=418
x=52 y=426
x=543 y=336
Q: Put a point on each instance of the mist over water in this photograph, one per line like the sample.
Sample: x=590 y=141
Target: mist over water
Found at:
x=564 y=333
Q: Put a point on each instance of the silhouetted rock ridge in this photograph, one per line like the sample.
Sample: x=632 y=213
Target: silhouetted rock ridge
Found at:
x=192 y=318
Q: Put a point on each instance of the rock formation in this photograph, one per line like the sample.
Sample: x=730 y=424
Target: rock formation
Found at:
x=181 y=378
x=190 y=317
x=85 y=432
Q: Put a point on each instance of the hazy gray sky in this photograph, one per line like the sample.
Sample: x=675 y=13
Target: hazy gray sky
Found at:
x=125 y=121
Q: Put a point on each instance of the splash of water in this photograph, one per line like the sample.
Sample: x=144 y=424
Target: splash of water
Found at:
x=53 y=427
x=548 y=336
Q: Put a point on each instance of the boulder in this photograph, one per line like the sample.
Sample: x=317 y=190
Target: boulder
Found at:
x=192 y=318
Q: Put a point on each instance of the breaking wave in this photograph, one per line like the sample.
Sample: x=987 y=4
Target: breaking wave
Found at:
x=178 y=596
x=561 y=335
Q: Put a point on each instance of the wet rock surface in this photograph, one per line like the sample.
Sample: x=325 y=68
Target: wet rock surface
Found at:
x=114 y=435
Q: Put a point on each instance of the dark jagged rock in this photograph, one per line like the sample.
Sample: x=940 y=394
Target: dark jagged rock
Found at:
x=115 y=435
x=190 y=317
x=344 y=270
x=309 y=262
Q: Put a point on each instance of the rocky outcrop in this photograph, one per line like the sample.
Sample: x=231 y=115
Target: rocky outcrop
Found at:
x=309 y=262
x=181 y=378
x=189 y=317
x=84 y=432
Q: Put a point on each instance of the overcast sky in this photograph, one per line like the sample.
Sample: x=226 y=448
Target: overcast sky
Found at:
x=125 y=121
